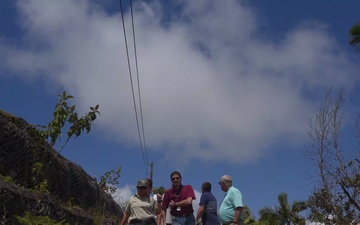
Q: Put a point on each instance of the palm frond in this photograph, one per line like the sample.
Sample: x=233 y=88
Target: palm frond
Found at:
x=298 y=206
x=267 y=214
x=355 y=37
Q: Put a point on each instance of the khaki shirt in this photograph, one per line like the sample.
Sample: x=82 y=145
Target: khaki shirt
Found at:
x=141 y=208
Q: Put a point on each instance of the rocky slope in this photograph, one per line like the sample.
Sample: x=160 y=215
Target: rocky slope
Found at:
x=33 y=180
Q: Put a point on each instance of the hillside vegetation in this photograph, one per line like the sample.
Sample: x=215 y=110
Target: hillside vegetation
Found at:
x=36 y=183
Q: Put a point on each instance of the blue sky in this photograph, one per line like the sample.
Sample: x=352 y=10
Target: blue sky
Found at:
x=227 y=87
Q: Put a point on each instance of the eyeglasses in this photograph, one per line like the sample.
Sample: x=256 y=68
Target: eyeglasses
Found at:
x=220 y=182
x=175 y=178
x=142 y=187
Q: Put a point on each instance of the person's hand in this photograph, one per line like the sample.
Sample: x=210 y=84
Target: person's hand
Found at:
x=172 y=204
x=159 y=196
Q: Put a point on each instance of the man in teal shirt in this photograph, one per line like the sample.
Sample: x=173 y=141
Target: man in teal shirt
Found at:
x=230 y=212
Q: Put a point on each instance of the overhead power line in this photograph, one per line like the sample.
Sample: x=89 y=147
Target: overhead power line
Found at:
x=141 y=139
x=138 y=80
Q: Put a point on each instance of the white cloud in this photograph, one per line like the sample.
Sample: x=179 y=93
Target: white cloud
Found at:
x=212 y=86
x=122 y=195
x=196 y=201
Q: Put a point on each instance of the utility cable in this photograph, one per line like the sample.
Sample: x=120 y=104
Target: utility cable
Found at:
x=138 y=83
x=132 y=86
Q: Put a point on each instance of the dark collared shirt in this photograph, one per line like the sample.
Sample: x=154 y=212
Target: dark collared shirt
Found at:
x=178 y=196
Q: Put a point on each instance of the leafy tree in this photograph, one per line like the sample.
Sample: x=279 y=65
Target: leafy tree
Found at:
x=65 y=113
x=355 y=37
x=285 y=214
x=249 y=219
x=268 y=215
x=109 y=180
x=161 y=190
x=336 y=198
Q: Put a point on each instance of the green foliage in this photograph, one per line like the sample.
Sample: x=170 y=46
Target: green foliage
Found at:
x=248 y=217
x=38 y=172
x=38 y=168
x=64 y=113
x=284 y=214
x=43 y=186
x=355 y=37
x=6 y=178
x=99 y=219
x=161 y=190
x=29 y=219
x=109 y=180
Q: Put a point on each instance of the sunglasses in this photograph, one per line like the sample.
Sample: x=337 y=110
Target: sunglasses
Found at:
x=175 y=178
x=220 y=182
x=142 y=187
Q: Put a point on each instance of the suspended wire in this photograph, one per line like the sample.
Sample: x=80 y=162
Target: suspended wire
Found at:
x=132 y=86
x=138 y=83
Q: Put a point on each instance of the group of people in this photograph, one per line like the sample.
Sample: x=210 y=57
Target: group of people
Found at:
x=143 y=209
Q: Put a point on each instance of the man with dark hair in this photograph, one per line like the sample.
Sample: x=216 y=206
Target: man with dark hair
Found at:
x=179 y=198
x=231 y=208
x=207 y=207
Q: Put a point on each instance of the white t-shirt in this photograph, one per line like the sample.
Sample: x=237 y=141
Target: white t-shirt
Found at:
x=155 y=197
x=168 y=216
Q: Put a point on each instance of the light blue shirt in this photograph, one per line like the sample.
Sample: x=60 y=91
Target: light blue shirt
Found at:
x=231 y=201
